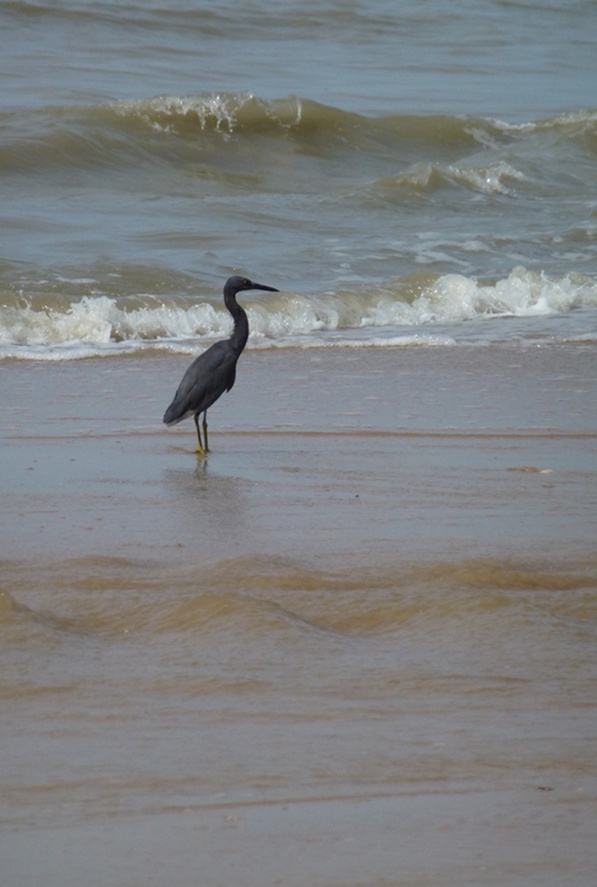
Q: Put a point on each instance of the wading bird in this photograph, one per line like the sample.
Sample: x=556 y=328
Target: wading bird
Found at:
x=214 y=371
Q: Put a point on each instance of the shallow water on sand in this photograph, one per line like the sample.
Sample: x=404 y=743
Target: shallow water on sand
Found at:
x=344 y=643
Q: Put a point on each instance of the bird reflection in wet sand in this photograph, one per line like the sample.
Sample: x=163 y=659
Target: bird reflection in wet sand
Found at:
x=214 y=371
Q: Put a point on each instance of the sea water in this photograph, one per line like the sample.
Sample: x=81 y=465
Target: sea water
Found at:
x=388 y=167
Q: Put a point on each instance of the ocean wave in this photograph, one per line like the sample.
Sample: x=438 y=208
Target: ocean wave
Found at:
x=227 y=113
x=398 y=313
x=571 y=122
x=492 y=177
x=167 y=127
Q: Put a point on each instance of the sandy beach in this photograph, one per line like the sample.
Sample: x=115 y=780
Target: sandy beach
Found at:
x=352 y=645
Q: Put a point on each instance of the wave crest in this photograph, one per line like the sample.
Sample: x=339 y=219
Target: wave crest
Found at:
x=398 y=312
x=116 y=133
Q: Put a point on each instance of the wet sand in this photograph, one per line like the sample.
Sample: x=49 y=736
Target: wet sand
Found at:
x=343 y=465
x=447 y=838
x=417 y=453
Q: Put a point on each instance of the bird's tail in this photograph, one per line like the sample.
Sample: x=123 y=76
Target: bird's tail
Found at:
x=173 y=414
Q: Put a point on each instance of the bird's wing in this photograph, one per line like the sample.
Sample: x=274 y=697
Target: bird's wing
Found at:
x=210 y=374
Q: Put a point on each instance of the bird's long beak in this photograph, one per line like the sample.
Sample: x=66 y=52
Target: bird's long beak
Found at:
x=262 y=286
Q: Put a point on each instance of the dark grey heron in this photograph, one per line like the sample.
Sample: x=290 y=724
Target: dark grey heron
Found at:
x=214 y=371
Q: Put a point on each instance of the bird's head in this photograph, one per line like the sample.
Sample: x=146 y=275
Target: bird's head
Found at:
x=237 y=284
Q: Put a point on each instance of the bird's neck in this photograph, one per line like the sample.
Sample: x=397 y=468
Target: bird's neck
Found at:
x=240 y=334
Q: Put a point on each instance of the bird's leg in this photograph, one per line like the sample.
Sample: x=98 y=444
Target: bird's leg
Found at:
x=200 y=449
x=205 y=431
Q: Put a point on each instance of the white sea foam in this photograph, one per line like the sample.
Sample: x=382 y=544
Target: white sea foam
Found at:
x=362 y=317
x=573 y=118
x=492 y=178
x=454 y=298
x=165 y=113
x=223 y=113
x=487 y=177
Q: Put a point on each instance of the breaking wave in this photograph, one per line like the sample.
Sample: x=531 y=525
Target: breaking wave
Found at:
x=167 y=127
x=421 y=310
